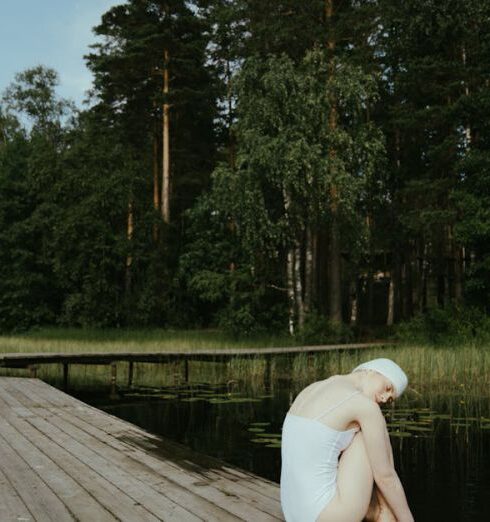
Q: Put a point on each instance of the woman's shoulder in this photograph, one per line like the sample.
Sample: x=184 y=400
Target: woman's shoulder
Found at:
x=341 y=386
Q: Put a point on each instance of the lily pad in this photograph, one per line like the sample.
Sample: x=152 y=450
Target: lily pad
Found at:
x=244 y=399
x=400 y=434
x=419 y=428
x=273 y=445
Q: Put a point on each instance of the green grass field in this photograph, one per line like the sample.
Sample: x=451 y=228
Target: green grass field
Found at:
x=109 y=340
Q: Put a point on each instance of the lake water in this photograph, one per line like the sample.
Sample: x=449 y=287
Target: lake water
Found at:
x=443 y=460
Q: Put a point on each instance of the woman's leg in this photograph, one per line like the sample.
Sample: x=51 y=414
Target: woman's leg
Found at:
x=355 y=497
x=354 y=485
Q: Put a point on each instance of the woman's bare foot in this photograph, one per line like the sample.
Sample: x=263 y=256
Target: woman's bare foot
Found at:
x=378 y=510
x=374 y=508
x=385 y=515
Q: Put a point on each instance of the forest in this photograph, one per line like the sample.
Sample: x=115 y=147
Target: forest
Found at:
x=317 y=168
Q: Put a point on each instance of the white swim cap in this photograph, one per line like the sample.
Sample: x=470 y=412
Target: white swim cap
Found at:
x=389 y=369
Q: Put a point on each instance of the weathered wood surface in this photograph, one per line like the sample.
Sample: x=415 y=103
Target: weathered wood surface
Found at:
x=22 y=360
x=63 y=460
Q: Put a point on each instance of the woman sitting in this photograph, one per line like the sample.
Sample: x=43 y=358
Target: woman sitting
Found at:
x=337 y=461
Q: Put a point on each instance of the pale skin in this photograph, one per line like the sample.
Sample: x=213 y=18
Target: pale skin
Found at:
x=368 y=487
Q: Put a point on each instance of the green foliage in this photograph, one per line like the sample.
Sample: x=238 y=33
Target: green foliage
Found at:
x=320 y=330
x=453 y=326
x=252 y=87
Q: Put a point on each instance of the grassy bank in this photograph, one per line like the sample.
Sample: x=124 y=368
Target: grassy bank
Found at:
x=108 y=340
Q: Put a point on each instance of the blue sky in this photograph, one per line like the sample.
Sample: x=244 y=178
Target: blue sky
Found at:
x=55 y=33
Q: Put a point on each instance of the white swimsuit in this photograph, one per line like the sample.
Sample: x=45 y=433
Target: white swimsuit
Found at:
x=310 y=451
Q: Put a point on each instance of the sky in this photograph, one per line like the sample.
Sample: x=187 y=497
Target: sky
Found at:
x=54 y=33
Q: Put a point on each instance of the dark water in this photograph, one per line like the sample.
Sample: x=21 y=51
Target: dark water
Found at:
x=443 y=463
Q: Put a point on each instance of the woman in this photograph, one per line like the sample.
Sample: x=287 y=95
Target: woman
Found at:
x=317 y=485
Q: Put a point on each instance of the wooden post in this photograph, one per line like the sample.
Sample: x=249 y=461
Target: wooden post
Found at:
x=130 y=374
x=32 y=371
x=113 y=394
x=65 y=376
x=186 y=369
x=268 y=372
x=310 y=359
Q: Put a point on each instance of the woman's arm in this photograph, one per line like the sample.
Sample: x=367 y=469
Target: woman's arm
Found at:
x=388 y=443
x=378 y=448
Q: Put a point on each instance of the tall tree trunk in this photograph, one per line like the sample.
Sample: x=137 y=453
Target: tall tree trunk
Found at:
x=335 y=283
x=229 y=102
x=290 y=269
x=370 y=294
x=290 y=287
x=424 y=278
x=395 y=302
x=390 y=316
x=321 y=273
x=369 y=275
x=398 y=286
x=335 y=287
x=468 y=131
x=309 y=256
x=458 y=274
x=156 y=188
x=129 y=257
x=455 y=268
x=298 y=286
x=408 y=286
x=166 y=143
x=354 y=296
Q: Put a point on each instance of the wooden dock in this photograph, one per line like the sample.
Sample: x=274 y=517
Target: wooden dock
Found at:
x=26 y=359
x=63 y=460
x=32 y=361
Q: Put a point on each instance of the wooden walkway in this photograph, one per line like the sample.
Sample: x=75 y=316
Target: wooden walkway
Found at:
x=25 y=359
x=63 y=460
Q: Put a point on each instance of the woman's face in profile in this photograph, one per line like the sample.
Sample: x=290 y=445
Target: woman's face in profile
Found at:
x=381 y=389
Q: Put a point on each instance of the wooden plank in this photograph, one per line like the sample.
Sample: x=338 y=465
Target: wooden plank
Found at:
x=36 y=495
x=78 y=501
x=232 y=496
x=11 y=505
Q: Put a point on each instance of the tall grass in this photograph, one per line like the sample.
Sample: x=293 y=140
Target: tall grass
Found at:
x=113 y=340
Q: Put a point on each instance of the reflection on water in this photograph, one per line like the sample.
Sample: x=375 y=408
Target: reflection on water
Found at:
x=443 y=459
